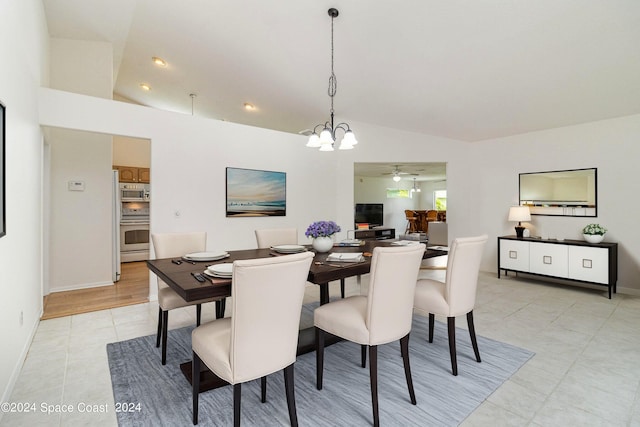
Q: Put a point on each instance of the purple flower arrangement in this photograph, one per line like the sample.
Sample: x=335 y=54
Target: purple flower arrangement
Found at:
x=322 y=229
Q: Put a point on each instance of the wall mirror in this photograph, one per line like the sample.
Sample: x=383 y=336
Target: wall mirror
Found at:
x=561 y=193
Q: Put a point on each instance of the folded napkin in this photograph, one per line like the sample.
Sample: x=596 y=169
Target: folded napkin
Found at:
x=405 y=242
x=345 y=257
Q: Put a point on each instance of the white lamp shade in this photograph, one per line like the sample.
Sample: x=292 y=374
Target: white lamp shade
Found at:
x=396 y=178
x=519 y=213
x=326 y=147
x=326 y=138
x=314 y=141
x=345 y=144
x=349 y=138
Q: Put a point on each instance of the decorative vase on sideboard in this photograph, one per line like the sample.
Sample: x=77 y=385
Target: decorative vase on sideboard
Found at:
x=593 y=238
x=322 y=244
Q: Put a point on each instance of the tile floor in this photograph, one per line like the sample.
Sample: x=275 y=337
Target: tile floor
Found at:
x=586 y=370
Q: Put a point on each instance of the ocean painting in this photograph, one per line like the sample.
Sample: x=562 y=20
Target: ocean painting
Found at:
x=256 y=193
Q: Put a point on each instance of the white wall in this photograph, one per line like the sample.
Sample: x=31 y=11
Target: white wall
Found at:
x=24 y=59
x=80 y=221
x=610 y=145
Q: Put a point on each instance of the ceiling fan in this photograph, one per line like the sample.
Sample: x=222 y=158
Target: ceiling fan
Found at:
x=397 y=173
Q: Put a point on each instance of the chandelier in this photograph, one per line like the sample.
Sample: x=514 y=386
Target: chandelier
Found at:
x=327 y=138
x=414 y=189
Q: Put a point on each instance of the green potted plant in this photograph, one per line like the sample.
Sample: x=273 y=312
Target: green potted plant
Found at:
x=594 y=233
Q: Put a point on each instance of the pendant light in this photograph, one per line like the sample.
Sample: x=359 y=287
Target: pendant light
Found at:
x=414 y=189
x=327 y=138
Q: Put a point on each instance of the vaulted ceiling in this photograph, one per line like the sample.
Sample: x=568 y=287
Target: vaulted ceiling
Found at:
x=467 y=70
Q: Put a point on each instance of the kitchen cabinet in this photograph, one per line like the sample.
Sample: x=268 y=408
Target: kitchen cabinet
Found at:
x=133 y=174
x=573 y=260
x=144 y=175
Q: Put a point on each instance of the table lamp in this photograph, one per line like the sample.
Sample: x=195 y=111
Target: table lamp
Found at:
x=519 y=213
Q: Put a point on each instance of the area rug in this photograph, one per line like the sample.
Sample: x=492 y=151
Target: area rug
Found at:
x=164 y=395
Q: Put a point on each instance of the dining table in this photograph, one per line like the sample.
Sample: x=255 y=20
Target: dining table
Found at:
x=180 y=277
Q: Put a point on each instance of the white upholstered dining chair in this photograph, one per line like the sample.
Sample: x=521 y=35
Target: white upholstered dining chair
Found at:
x=457 y=295
x=268 y=237
x=261 y=336
x=168 y=245
x=382 y=316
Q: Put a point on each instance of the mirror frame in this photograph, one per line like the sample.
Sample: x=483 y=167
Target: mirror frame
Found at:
x=578 y=208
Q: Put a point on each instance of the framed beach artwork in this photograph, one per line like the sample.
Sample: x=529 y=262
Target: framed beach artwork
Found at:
x=256 y=193
x=3 y=210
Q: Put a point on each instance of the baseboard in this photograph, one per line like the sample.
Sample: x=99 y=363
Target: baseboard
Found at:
x=6 y=395
x=627 y=291
x=82 y=286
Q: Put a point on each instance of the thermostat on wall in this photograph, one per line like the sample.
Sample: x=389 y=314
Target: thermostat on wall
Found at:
x=75 y=185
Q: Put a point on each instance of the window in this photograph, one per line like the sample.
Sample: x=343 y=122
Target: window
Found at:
x=440 y=200
x=397 y=193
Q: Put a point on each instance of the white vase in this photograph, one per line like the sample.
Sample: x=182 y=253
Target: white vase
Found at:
x=593 y=238
x=322 y=244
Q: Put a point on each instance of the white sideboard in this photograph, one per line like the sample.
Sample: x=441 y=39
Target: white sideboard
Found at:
x=574 y=260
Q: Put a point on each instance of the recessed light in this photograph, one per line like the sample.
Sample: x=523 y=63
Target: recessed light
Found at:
x=145 y=86
x=159 y=61
x=249 y=107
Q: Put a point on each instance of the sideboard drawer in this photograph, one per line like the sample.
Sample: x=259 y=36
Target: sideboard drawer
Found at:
x=514 y=255
x=550 y=260
x=589 y=264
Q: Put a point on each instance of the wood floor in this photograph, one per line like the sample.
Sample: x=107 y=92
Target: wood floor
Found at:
x=133 y=288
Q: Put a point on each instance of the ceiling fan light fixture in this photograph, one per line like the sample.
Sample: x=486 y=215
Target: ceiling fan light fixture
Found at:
x=396 y=178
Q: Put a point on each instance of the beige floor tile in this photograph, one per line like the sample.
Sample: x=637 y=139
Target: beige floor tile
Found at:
x=522 y=401
x=489 y=414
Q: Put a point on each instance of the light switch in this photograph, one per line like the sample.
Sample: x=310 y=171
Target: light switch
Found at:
x=75 y=185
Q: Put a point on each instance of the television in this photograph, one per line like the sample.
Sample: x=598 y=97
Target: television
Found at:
x=370 y=213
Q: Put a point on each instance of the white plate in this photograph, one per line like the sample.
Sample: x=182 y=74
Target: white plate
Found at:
x=219 y=276
x=224 y=269
x=288 y=249
x=206 y=256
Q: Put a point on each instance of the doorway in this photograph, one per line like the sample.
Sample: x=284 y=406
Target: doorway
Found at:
x=79 y=229
x=399 y=187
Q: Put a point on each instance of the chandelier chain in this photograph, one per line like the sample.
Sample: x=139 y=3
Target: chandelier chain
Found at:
x=333 y=82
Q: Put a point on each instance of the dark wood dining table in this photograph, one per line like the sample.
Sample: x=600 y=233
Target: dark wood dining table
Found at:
x=179 y=277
